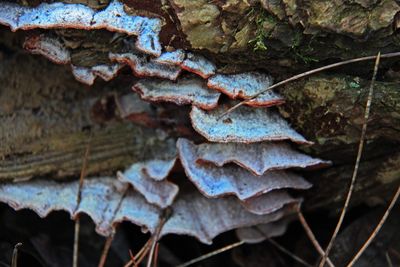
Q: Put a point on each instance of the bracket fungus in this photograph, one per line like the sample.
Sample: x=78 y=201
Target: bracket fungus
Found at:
x=261 y=232
x=171 y=57
x=108 y=202
x=149 y=178
x=199 y=65
x=268 y=203
x=78 y=16
x=245 y=85
x=243 y=125
x=184 y=91
x=257 y=157
x=142 y=67
x=88 y=75
x=214 y=181
x=159 y=193
x=239 y=176
x=53 y=49
x=50 y=47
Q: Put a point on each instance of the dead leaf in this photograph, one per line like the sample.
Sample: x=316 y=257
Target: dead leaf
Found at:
x=184 y=91
x=213 y=181
x=243 y=125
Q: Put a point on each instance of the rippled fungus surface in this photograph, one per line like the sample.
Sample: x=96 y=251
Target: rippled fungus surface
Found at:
x=244 y=86
x=185 y=91
x=233 y=180
x=257 y=157
x=243 y=125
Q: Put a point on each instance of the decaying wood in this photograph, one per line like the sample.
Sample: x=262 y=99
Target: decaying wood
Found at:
x=51 y=119
x=46 y=116
x=46 y=119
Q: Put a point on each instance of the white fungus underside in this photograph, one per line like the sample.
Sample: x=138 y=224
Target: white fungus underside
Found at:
x=108 y=202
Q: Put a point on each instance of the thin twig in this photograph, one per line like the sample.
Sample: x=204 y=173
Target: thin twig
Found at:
x=132 y=261
x=287 y=252
x=163 y=219
x=106 y=248
x=140 y=257
x=143 y=250
x=388 y=259
x=311 y=236
x=151 y=253
x=76 y=242
x=14 y=260
x=110 y=238
x=377 y=228
x=308 y=73
x=357 y=164
x=395 y=253
x=155 y=260
x=211 y=254
x=78 y=201
x=151 y=244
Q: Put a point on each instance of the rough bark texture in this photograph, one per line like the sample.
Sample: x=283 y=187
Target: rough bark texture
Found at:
x=45 y=115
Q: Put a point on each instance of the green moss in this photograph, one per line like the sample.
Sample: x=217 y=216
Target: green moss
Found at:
x=298 y=53
x=264 y=24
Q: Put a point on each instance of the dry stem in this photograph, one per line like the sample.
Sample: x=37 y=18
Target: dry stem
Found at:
x=78 y=201
x=376 y=230
x=311 y=236
x=357 y=164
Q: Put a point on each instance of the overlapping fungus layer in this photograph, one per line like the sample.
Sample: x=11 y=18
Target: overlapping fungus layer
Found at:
x=241 y=175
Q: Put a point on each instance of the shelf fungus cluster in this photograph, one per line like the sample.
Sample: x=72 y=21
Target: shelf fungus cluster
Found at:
x=238 y=177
